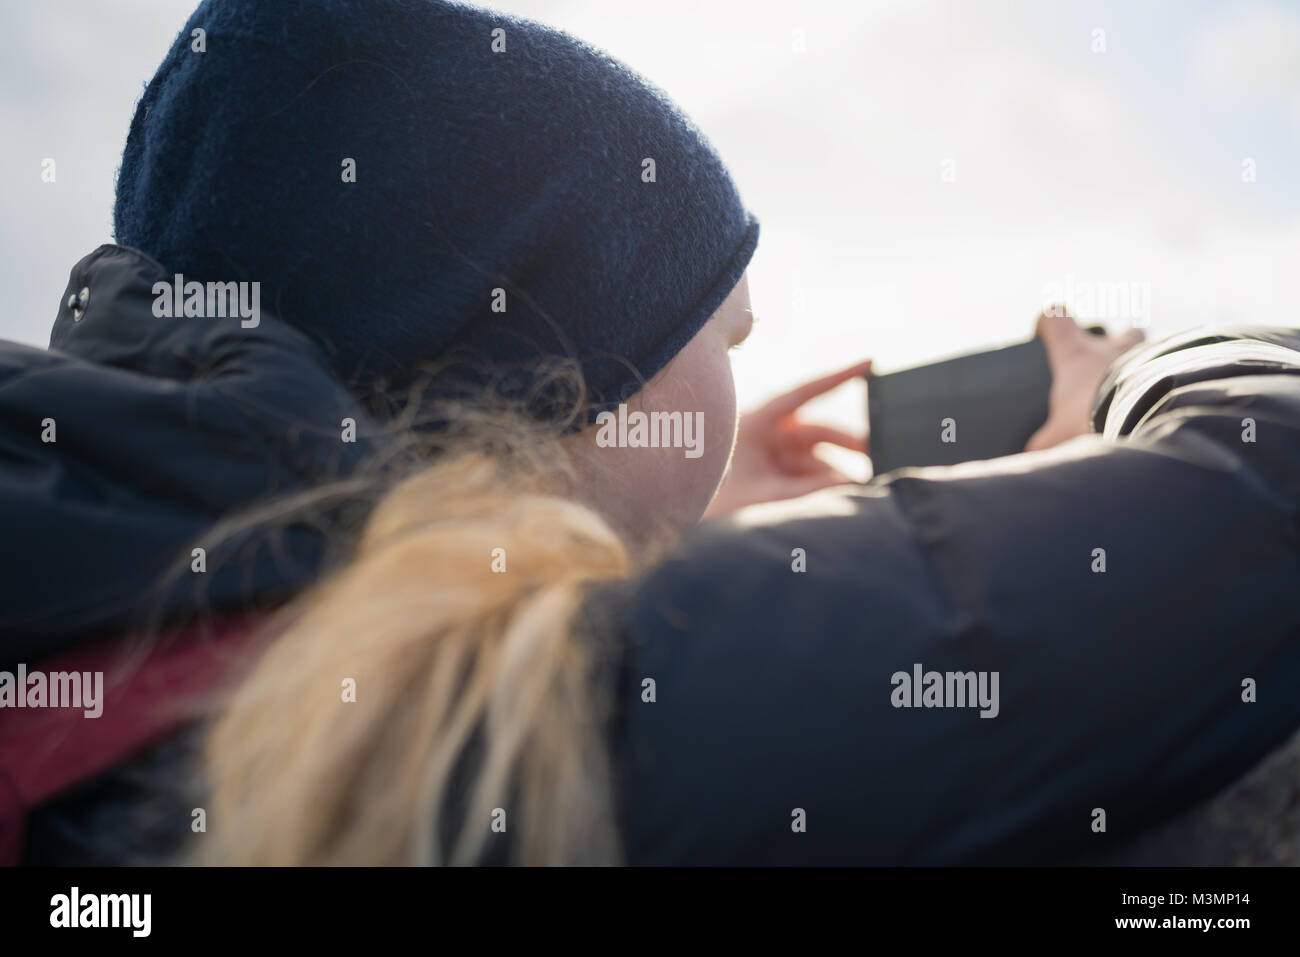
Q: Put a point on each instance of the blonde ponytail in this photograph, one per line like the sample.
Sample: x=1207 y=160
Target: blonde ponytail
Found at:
x=474 y=702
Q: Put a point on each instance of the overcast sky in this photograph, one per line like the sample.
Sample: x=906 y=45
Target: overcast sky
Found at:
x=927 y=174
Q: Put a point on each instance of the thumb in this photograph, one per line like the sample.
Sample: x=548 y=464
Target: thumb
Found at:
x=1056 y=327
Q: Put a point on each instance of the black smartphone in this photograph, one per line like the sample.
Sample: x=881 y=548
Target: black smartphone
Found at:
x=978 y=406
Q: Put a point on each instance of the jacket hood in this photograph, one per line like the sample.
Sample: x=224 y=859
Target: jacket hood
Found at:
x=133 y=434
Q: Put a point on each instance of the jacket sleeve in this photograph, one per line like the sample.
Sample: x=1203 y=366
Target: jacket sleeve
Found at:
x=1136 y=593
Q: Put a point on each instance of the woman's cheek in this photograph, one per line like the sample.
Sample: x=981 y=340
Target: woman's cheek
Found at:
x=719 y=427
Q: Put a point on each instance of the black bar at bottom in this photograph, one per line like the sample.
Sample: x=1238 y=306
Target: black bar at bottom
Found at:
x=332 y=906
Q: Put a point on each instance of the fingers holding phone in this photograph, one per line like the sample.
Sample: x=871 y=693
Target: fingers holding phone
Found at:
x=1078 y=359
x=985 y=405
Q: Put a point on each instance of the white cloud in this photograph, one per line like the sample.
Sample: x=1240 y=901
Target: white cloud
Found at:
x=1255 y=57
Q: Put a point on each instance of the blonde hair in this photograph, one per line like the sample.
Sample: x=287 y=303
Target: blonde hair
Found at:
x=473 y=692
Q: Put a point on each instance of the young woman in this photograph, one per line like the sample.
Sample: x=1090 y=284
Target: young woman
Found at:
x=476 y=239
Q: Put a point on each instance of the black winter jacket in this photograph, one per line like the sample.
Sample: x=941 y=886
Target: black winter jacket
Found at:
x=980 y=663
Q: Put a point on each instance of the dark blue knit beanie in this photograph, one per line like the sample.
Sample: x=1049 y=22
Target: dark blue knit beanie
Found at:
x=517 y=160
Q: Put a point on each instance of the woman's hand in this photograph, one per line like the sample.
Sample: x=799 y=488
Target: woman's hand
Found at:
x=1079 y=361
x=774 y=458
